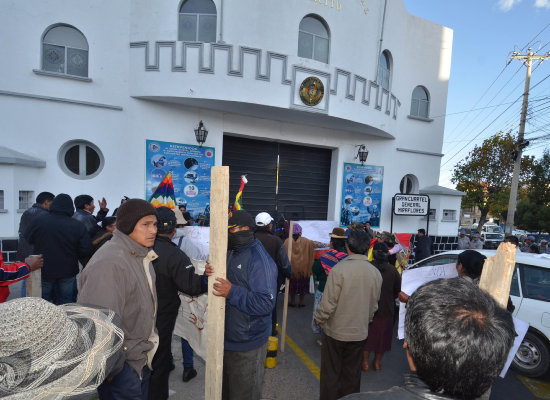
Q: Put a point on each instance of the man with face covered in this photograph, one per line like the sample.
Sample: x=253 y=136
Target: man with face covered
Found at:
x=250 y=290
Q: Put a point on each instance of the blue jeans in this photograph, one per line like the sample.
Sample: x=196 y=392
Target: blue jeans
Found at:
x=127 y=385
x=59 y=291
x=186 y=353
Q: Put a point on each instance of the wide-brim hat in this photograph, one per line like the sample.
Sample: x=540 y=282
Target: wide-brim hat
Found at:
x=338 y=233
x=56 y=352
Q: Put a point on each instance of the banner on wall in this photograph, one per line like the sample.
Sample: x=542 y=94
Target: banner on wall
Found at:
x=361 y=194
x=190 y=167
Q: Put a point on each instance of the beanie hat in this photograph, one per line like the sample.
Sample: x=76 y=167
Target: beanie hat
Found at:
x=131 y=212
x=296 y=229
x=166 y=220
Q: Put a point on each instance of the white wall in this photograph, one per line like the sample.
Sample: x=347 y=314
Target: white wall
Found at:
x=37 y=127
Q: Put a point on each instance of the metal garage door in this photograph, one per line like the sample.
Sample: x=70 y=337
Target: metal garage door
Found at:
x=301 y=190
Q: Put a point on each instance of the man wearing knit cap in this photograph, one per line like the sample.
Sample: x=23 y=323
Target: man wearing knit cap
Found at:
x=250 y=290
x=120 y=276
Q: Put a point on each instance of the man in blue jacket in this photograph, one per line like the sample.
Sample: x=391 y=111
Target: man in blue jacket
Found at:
x=250 y=291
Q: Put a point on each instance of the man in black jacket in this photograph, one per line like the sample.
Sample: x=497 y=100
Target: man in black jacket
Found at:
x=174 y=272
x=63 y=241
x=423 y=248
x=276 y=249
x=41 y=207
x=84 y=212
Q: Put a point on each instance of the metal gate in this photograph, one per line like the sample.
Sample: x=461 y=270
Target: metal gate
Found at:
x=289 y=179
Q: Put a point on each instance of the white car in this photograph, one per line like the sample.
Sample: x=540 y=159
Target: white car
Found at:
x=530 y=293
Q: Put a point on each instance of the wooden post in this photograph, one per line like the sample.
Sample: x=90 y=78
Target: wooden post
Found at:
x=215 y=324
x=497 y=273
x=33 y=284
x=287 y=286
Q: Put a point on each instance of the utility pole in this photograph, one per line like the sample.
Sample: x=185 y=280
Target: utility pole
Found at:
x=521 y=143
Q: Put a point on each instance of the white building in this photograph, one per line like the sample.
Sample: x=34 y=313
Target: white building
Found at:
x=88 y=82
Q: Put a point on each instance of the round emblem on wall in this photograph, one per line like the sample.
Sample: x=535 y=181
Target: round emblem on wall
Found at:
x=312 y=91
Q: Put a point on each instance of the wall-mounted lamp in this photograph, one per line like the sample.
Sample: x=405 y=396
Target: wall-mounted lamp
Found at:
x=362 y=153
x=200 y=134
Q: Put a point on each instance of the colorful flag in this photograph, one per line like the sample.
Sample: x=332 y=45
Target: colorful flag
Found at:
x=164 y=194
x=238 y=198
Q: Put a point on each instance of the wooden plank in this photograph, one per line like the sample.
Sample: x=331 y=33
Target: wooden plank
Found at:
x=497 y=273
x=33 y=284
x=287 y=286
x=215 y=324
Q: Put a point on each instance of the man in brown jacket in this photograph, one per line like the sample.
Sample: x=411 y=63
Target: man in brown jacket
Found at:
x=120 y=276
x=349 y=301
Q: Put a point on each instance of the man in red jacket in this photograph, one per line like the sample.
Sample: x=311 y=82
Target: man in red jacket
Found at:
x=14 y=272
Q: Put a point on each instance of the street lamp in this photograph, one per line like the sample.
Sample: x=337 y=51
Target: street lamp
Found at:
x=200 y=134
x=362 y=153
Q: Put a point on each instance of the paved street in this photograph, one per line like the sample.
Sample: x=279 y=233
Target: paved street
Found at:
x=295 y=376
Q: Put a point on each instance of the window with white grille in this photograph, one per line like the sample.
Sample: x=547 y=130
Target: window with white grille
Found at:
x=26 y=199
x=449 y=215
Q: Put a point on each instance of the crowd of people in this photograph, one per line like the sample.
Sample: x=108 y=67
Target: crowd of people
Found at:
x=134 y=264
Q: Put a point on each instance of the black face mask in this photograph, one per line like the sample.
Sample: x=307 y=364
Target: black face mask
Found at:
x=239 y=239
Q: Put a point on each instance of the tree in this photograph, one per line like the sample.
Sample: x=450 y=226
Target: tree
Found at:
x=533 y=213
x=485 y=175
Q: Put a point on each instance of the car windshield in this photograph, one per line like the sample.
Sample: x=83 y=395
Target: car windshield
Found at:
x=494 y=236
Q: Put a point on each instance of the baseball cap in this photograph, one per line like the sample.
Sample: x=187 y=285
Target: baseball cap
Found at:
x=263 y=219
x=531 y=238
x=240 y=218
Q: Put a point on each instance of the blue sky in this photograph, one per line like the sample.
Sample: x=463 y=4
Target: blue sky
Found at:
x=485 y=34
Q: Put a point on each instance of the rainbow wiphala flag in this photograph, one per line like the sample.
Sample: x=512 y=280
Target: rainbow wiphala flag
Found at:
x=164 y=195
x=238 y=198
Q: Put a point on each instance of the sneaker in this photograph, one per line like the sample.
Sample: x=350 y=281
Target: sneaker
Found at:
x=188 y=374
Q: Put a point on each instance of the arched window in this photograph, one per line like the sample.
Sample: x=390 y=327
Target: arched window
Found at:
x=197 y=21
x=409 y=184
x=313 y=39
x=420 y=102
x=384 y=69
x=65 y=51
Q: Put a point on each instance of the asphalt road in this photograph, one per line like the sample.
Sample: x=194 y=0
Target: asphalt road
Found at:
x=294 y=377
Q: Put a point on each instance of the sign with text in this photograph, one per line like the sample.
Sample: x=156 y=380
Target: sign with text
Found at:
x=411 y=204
x=190 y=166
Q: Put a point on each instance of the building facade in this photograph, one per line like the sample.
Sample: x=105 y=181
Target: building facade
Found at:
x=287 y=90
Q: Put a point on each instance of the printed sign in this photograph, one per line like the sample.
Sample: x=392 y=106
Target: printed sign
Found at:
x=361 y=194
x=190 y=167
x=410 y=204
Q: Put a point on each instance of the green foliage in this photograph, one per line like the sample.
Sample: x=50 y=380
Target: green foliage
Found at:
x=486 y=175
x=533 y=211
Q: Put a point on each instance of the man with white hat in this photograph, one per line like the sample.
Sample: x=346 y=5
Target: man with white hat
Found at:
x=121 y=277
x=274 y=246
x=476 y=243
x=463 y=241
x=544 y=249
x=527 y=244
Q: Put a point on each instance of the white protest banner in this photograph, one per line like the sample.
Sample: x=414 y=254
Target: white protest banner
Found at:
x=412 y=279
x=317 y=230
x=191 y=320
x=200 y=236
